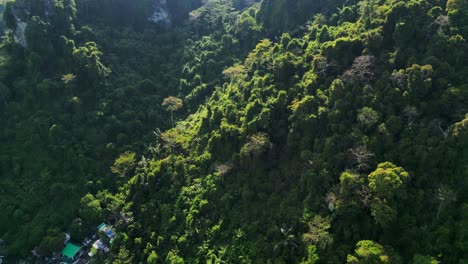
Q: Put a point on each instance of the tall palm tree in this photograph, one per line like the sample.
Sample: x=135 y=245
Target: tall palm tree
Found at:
x=287 y=244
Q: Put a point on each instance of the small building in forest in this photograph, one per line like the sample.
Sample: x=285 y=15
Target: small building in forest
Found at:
x=101 y=226
x=107 y=231
x=71 y=253
x=98 y=246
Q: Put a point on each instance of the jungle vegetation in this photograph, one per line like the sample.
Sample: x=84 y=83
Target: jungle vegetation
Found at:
x=273 y=131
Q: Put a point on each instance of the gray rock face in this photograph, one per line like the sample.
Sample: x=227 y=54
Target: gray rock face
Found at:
x=19 y=34
x=22 y=11
x=160 y=13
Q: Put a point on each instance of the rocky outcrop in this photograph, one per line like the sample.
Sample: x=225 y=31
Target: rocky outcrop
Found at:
x=21 y=11
x=171 y=12
x=19 y=34
x=161 y=13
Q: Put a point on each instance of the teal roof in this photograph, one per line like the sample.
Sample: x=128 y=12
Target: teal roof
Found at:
x=70 y=250
x=101 y=226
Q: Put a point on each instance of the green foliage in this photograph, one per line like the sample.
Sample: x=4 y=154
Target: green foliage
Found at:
x=8 y=16
x=124 y=164
x=172 y=103
x=318 y=233
x=284 y=109
x=382 y=213
x=38 y=36
x=90 y=209
x=342 y=50
x=152 y=258
x=312 y=256
x=257 y=144
x=419 y=259
x=387 y=179
x=89 y=67
x=78 y=229
x=123 y=257
x=173 y=258
x=368 y=252
x=367 y=117
x=52 y=242
x=455 y=6
x=283 y=15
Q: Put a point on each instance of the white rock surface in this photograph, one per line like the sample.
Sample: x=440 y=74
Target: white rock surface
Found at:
x=22 y=13
x=19 y=35
x=161 y=13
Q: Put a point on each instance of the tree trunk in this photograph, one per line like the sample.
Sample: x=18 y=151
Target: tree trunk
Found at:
x=172 y=119
x=438 y=211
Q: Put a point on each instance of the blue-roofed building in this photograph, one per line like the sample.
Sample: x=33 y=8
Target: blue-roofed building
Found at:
x=107 y=231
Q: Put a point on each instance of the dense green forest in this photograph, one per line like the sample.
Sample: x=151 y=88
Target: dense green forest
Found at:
x=236 y=131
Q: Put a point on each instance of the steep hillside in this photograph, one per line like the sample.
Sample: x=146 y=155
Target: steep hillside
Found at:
x=306 y=132
x=76 y=90
x=353 y=130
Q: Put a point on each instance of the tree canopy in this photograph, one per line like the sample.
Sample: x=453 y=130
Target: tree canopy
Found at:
x=235 y=131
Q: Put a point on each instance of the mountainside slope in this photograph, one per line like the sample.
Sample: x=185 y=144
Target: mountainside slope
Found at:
x=343 y=139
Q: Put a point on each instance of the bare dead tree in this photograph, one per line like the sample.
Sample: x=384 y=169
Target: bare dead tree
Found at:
x=365 y=196
x=411 y=113
x=437 y=127
x=362 y=70
x=223 y=169
x=445 y=195
x=442 y=22
x=445 y=132
x=361 y=157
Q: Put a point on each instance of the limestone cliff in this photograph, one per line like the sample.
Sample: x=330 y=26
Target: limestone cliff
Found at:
x=21 y=11
x=160 y=13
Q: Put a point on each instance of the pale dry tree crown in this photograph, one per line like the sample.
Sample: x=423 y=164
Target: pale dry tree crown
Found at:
x=361 y=157
x=411 y=112
x=223 y=169
x=172 y=103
